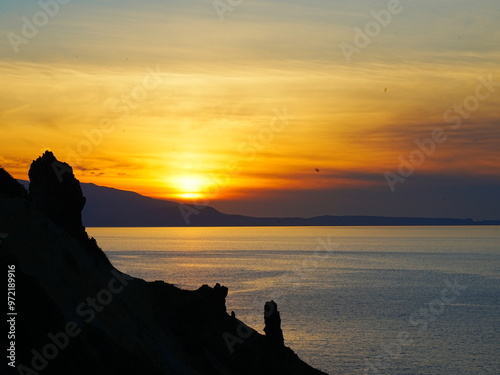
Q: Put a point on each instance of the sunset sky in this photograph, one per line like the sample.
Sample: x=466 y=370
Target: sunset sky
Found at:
x=268 y=108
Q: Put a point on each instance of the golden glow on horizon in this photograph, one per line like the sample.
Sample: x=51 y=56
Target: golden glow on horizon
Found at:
x=188 y=186
x=185 y=130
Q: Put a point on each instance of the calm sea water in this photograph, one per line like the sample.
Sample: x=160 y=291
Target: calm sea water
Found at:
x=353 y=300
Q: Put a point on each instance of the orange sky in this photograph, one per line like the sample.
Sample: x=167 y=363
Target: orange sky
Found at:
x=161 y=101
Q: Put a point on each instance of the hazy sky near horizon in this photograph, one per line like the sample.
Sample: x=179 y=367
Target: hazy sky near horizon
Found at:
x=262 y=107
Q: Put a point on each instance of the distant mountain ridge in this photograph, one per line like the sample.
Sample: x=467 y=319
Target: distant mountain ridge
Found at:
x=109 y=207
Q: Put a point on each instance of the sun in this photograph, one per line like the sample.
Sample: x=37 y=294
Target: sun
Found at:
x=189 y=186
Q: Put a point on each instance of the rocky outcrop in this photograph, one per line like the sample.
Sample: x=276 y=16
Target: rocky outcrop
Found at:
x=56 y=192
x=79 y=315
x=272 y=320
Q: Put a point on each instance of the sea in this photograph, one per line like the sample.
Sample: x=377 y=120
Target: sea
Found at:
x=353 y=300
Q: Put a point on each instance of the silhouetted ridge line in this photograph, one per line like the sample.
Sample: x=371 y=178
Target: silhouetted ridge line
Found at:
x=82 y=316
x=109 y=207
x=10 y=187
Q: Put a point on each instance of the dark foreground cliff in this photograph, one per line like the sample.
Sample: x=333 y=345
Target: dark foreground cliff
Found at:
x=74 y=313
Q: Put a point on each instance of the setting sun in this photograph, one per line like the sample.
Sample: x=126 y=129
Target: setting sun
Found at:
x=188 y=186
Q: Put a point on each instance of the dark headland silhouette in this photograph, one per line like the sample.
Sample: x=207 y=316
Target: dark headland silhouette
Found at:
x=78 y=315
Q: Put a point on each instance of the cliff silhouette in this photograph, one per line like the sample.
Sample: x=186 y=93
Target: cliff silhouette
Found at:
x=77 y=314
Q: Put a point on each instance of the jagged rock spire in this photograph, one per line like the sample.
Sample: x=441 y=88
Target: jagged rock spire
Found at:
x=272 y=320
x=56 y=192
